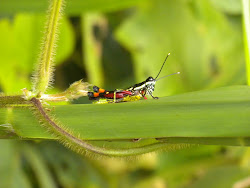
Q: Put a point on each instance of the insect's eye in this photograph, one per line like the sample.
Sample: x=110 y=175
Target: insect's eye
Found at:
x=150 y=79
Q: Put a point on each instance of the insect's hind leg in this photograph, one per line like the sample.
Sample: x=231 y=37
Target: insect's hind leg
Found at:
x=114 y=100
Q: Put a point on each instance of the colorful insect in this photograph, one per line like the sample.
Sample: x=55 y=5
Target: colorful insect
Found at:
x=133 y=93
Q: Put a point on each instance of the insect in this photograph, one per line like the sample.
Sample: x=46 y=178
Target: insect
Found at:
x=133 y=93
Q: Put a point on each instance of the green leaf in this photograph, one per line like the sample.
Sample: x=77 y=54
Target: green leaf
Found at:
x=39 y=166
x=93 y=47
x=12 y=175
x=218 y=116
x=204 y=46
x=69 y=167
x=246 y=32
x=20 y=41
x=74 y=7
x=197 y=163
x=225 y=176
x=228 y=6
x=8 y=162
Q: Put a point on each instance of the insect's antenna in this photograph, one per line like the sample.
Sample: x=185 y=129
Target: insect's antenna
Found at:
x=168 y=75
x=162 y=65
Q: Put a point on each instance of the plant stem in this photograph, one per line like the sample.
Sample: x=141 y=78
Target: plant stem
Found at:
x=38 y=165
x=93 y=46
x=246 y=31
x=74 y=142
x=6 y=101
x=44 y=72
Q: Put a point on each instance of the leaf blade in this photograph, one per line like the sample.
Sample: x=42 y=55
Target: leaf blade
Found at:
x=216 y=114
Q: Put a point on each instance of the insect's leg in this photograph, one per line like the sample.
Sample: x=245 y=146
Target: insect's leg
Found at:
x=115 y=100
x=144 y=93
x=114 y=96
x=153 y=96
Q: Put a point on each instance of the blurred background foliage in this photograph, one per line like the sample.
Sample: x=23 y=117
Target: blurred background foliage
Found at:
x=114 y=44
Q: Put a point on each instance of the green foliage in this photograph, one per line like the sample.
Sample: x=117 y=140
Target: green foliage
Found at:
x=92 y=48
x=206 y=44
x=20 y=40
x=74 y=7
x=197 y=38
x=200 y=114
x=246 y=28
x=230 y=7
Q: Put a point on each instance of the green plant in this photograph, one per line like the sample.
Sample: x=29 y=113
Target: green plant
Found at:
x=203 y=111
x=209 y=54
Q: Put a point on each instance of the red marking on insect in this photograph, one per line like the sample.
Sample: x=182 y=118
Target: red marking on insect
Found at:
x=118 y=94
x=143 y=94
x=110 y=94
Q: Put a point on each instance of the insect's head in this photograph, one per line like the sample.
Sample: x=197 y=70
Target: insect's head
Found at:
x=150 y=84
x=150 y=79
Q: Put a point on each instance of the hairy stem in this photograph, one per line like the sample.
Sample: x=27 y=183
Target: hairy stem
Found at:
x=44 y=72
x=75 y=90
x=74 y=142
x=17 y=100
